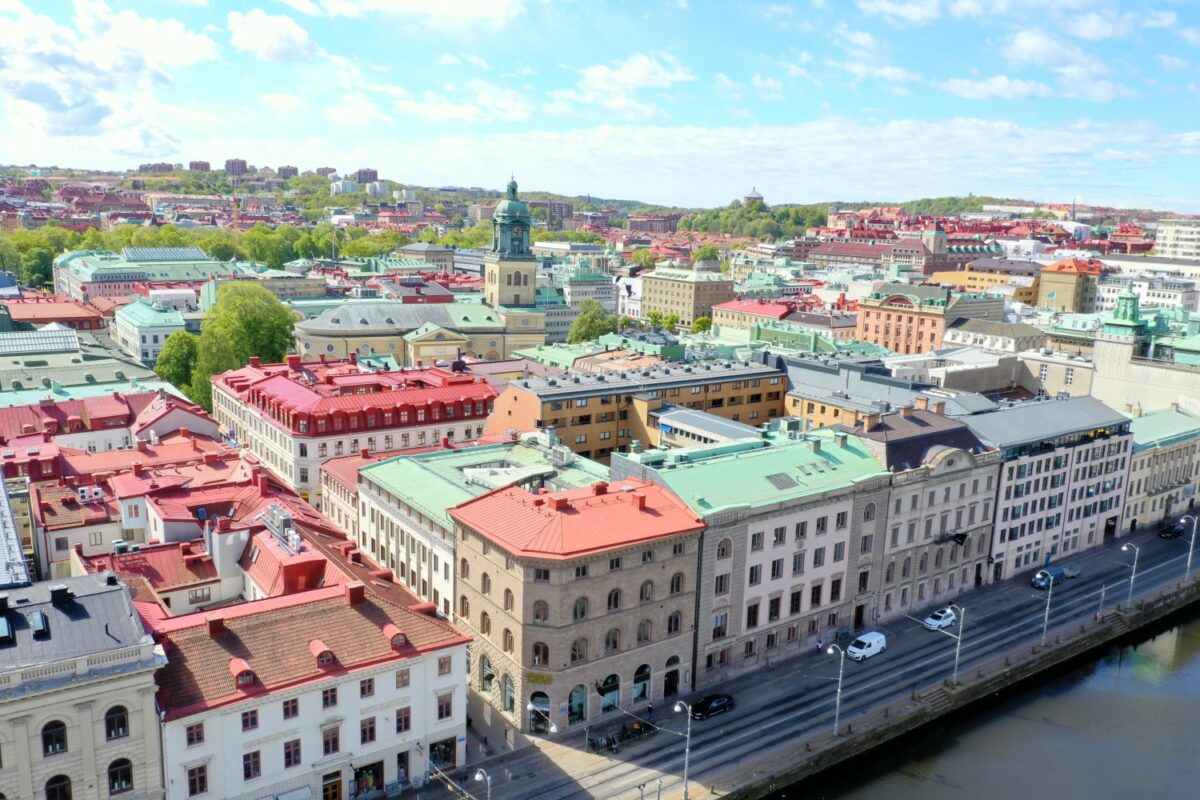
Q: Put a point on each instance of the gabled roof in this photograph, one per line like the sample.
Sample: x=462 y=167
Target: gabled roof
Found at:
x=272 y=638
x=1077 y=266
x=165 y=567
x=573 y=523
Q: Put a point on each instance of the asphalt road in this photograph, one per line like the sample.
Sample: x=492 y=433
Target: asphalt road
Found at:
x=795 y=699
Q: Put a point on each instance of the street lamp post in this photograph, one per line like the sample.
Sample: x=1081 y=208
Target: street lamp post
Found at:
x=1191 y=546
x=681 y=707
x=659 y=795
x=962 y=624
x=1133 y=575
x=481 y=776
x=1046 y=616
x=837 y=703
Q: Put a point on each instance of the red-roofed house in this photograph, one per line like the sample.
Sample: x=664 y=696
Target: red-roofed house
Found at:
x=621 y=640
x=329 y=693
x=747 y=313
x=1071 y=285
x=295 y=416
x=37 y=311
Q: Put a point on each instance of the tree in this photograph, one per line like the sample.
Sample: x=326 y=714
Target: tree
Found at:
x=700 y=325
x=10 y=257
x=592 y=323
x=643 y=258
x=177 y=359
x=247 y=320
x=670 y=322
x=706 y=253
x=37 y=267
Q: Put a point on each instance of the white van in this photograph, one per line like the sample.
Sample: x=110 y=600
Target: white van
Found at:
x=866 y=646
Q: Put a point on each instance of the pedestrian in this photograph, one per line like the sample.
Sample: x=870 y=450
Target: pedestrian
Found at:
x=649 y=710
x=820 y=647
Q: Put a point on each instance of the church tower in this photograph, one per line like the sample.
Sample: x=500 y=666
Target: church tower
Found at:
x=509 y=269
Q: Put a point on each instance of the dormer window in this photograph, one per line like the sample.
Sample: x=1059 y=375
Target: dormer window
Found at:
x=325 y=659
x=245 y=678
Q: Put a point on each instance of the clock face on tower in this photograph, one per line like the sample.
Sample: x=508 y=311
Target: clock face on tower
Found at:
x=516 y=231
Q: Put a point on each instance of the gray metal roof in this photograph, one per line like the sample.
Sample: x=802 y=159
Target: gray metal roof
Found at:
x=46 y=340
x=144 y=254
x=987 y=327
x=1039 y=420
x=99 y=618
x=14 y=571
x=710 y=423
x=399 y=317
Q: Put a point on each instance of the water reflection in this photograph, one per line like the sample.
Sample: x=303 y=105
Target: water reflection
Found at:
x=1126 y=726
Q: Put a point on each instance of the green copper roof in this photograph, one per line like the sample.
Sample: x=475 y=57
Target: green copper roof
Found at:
x=1163 y=428
x=778 y=469
x=435 y=482
x=144 y=315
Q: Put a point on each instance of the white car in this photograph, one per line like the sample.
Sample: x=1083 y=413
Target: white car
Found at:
x=942 y=618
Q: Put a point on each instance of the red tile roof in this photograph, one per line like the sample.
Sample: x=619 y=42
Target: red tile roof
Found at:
x=278 y=571
x=163 y=566
x=169 y=450
x=57 y=507
x=42 y=310
x=53 y=416
x=569 y=524
x=762 y=308
x=272 y=639
x=1078 y=266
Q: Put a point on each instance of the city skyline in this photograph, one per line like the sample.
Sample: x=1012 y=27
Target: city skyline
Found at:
x=679 y=103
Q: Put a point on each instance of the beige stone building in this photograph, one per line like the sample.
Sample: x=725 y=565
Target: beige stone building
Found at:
x=581 y=603
x=690 y=294
x=1165 y=468
x=77 y=714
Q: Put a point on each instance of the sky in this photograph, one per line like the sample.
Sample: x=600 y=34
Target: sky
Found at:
x=678 y=102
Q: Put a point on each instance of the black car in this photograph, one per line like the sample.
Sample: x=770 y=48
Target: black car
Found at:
x=710 y=705
x=1172 y=530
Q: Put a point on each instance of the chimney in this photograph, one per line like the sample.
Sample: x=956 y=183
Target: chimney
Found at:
x=558 y=503
x=445 y=442
x=353 y=357
x=293 y=361
x=214 y=626
x=142 y=445
x=420 y=363
x=921 y=403
x=639 y=502
x=600 y=488
x=184 y=433
x=262 y=484
x=428 y=609
x=322 y=358
x=870 y=422
x=841 y=439
x=906 y=411
x=635 y=446
x=815 y=444
x=137 y=467
x=255 y=361
x=224 y=523
x=939 y=407
x=355 y=593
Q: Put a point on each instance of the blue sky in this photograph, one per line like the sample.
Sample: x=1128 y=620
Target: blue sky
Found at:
x=687 y=102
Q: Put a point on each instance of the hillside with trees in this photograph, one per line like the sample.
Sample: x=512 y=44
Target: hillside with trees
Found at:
x=756 y=220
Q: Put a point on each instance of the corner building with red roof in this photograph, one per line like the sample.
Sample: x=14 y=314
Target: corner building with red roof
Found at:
x=581 y=602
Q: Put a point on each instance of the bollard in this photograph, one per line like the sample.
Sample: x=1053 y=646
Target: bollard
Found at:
x=887 y=712
x=1006 y=661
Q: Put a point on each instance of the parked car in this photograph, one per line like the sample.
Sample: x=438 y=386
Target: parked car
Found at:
x=942 y=618
x=1050 y=576
x=1172 y=530
x=867 y=645
x=710 y=705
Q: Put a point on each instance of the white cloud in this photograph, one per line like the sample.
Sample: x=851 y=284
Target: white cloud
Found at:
x=1067 y=60
x=727 y=86
x=997 y=87
x=96 y=78
x=270 y=37
x=862 y=70
x=1191 y=35
x=768 y=88
x=357 y=109
x=436 y=12
x=1172 y=63
x=480 y=101
x=1158 y=19
x=450 y=59
x=618 y=87
x=854 y=39
x=913 y=12
x=1095 y=27
x=283 y=103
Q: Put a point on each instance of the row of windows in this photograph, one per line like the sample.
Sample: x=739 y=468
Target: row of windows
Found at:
x=54 y=733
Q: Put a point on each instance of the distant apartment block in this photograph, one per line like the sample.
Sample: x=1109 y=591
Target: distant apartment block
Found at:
x=912 y=319
x=654 y=223
x=689 y=294
x=160 y=166
x=325 y=172
x=366 y=175
x=1071 y=286
x=199 y=166
x=235 y=166
x=287 y=171
x=1178 y=238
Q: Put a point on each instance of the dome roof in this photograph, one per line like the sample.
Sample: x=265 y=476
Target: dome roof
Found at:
x=511 y=207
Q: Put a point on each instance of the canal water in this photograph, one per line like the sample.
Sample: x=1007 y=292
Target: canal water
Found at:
x=1125 y=726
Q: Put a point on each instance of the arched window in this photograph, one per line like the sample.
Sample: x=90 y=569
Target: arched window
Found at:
x=116 y=723
x=612 y=641
x=58 y=788
x=868 y=512
x=577 y=705
x=581 y=609
x=120 y=776
x=643 y=633
x=485 y=624
x=509 y=641
x=508 y=694
x=614 y=600
x=486 y=676
x=646 y=593
x=677 y=583
x=541 y=654
x=464 y=607
x=464 y=569
x=54 y=740
x=674 y=622
x=725 y=549
x=508 y=600
x=641 y=684
x=485 y=583
x=578 y=651
x=541 y=613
